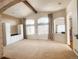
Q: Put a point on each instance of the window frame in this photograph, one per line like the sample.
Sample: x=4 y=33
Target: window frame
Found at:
x=41 y=24
x=30 y=25
x=62 y=30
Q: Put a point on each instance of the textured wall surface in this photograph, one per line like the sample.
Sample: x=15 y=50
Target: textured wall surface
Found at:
x=6 y=19
x=1 y=41
x=72 y=11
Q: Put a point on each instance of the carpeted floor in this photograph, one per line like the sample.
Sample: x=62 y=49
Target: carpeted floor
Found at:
x=38 y=49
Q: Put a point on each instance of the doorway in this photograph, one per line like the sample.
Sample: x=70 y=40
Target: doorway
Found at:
x=70 y=33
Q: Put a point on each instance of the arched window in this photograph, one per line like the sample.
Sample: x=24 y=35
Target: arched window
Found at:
x=30 y=28
x=43 y=20
x=43 y=25
x=29 y=22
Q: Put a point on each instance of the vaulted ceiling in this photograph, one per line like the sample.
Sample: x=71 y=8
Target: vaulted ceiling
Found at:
x=4 y=2
x=48 y=5
x=20 y=8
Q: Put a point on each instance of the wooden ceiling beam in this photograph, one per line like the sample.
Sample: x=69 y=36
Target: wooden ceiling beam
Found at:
x=30 y=6
x=9 y=5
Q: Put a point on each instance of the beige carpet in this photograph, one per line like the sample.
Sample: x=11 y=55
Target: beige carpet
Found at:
x=38 y=49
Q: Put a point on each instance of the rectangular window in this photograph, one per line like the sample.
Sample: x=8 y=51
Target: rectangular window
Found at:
x=60 y=28
x=30 y=28
x=42 y=29
x=43 y=25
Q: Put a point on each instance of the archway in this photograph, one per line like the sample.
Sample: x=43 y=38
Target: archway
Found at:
x=60 y=30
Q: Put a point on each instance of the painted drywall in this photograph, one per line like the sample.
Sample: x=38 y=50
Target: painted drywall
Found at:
x=59 y=19
x=7 y=19
x=75 y=29
x=36 y=17
x=59 y=36
x=58 y=14
x=4 y=19
x=38 y=37
x=68 y=28
x=1 y=41
x=12 y=39
x=72 y=11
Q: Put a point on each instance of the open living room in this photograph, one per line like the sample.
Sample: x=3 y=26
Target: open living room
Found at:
x=38 y=29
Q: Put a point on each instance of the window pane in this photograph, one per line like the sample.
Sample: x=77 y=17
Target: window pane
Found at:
x=29 y=22
x=43 y=20
x=60 y=28
x=42 y=29
x=30 y=30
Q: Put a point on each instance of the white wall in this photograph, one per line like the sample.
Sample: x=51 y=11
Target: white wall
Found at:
x=12 y=39
x=4 y=19
x=1 y=41
x=68 y=27
x=58 y=14
x=59 y=36
x=59 y=19
x=36 y=17
x=75 y=29
x=72 y=11
x=38 y=37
